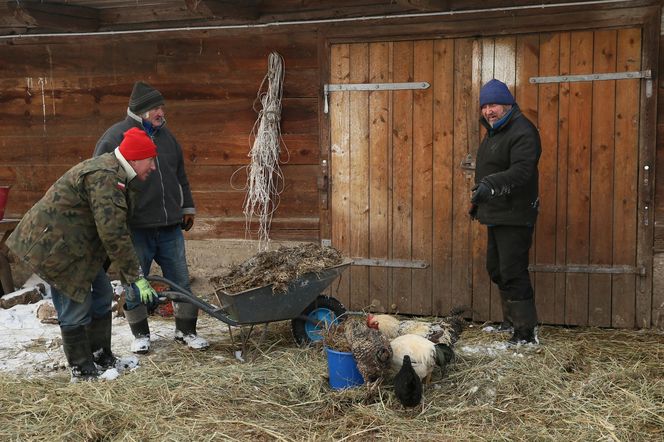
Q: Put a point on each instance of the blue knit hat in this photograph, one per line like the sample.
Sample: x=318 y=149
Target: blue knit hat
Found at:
x=495 y=92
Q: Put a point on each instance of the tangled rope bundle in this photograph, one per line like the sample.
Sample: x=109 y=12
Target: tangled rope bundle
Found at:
x=265 y=181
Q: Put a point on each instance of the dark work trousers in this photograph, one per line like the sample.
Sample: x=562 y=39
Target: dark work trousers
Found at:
x=507 y=260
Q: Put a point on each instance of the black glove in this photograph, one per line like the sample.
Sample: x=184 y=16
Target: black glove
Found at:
x=187 y=222
x=482 y=193
x=473 y=211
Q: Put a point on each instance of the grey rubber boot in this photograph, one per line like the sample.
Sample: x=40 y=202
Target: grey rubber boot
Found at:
x=523 y=315
x=76 y=346
x=185 y=332
x=99 y=335
x=138 y=323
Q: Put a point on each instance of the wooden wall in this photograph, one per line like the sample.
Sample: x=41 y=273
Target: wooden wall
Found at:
x=58 y=96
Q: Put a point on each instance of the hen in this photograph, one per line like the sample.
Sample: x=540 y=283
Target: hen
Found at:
x=441 y=331
x=408 y=385
x=370 y=348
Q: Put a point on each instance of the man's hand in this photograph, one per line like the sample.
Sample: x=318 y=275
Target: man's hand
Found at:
x=482 y=193
x=473 y=211
x=144 y=291
x=187 y=222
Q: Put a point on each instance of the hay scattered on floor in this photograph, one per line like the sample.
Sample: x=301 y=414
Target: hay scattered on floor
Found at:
x=335 y=338
x=278 y=267
x=582 y=384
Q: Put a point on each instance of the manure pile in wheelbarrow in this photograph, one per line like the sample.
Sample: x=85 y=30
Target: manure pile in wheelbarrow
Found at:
x=278 y=267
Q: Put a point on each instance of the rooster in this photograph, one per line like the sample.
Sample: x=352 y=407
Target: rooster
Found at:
x=424 y=354
x=442 y=333
x=370 y=348
x=408 y=385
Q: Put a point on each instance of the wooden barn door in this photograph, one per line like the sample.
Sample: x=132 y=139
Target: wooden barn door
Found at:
x=398 y=196
x=402 y=164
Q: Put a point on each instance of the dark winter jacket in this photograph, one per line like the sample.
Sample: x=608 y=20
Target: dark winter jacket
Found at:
x=507 y=160
x=165 y=196
x=67 y=235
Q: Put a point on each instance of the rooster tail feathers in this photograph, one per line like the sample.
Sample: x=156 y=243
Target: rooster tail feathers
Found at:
x=444 y=355
x=456 y=321
x=457 y=311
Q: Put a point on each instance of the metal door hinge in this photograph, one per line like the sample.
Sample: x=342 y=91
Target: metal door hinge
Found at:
x=371 y=87
x=627 y=75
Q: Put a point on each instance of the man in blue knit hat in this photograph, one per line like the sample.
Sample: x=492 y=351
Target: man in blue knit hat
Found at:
x=505 y=199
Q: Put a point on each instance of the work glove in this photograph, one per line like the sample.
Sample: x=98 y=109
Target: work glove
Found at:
x=482 y=192
x=187 y=222
x=473 y=211
x=144 y=291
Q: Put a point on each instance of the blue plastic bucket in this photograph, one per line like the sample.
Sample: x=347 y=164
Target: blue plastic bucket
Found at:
x=342 y=369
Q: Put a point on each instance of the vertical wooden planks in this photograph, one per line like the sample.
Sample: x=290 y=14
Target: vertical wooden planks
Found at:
x=482 y=72
x=578 y=202
x=547 y=123
x=359 y=176
x=465 y=114
x=379 y=171
x=340 y=161
x=602 y=152
x=402 y=166
x=422 y=176
x=560 y=292
x=626 y=175
x=526 y=94
x=443 y=172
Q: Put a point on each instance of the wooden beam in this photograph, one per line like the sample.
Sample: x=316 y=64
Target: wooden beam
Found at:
x=225 y=9
x=55 y=16
x=426 y=5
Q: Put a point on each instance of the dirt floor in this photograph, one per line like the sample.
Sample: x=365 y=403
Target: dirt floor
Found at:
x=580 y=384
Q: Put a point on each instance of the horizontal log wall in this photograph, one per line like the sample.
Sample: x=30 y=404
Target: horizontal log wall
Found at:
x=57 y=97
x=210 y=81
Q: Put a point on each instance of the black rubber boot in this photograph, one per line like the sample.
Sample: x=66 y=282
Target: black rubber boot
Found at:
x=79 y=356
x=524 y=317
x=138 y=323
x=99 y=335
x=506 y=325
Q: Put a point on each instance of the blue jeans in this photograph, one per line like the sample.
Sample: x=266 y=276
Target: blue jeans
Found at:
x=96 y=305
x=165 y=246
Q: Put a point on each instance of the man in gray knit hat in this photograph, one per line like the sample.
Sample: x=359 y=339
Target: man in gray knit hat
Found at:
x=163 y=208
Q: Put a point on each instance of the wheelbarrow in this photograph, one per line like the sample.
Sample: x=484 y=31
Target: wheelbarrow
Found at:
x=310 y=312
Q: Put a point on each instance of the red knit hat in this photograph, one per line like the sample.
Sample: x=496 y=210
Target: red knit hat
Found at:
x=137 y=145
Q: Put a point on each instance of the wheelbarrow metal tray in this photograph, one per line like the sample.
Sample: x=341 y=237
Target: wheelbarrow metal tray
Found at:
x=262 y=304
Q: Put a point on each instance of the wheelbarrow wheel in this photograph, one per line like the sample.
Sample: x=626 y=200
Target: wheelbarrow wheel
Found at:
x=309 y=326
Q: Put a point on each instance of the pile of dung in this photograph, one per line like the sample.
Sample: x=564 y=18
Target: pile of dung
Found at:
x=278 y=267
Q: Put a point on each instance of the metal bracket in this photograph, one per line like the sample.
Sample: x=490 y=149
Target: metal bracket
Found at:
x=589 y=268
x=592 y=77
x=399 y=263
x=627 y=75
x=327 y=88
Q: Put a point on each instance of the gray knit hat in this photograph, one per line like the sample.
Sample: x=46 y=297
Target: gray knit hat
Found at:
x=144 y=97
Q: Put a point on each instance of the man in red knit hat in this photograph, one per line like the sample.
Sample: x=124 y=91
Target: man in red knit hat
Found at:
x=67 y=236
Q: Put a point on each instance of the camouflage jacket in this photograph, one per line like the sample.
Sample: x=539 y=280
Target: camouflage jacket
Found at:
x=67 y=235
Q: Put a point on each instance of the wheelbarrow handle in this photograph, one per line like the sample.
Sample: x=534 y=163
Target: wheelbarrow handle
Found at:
x=180 y=294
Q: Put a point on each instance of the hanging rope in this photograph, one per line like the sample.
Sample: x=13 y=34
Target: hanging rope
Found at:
x=265 y=181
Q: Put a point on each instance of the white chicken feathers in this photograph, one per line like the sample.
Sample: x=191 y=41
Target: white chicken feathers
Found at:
x=442 y=331
x=422 y=353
